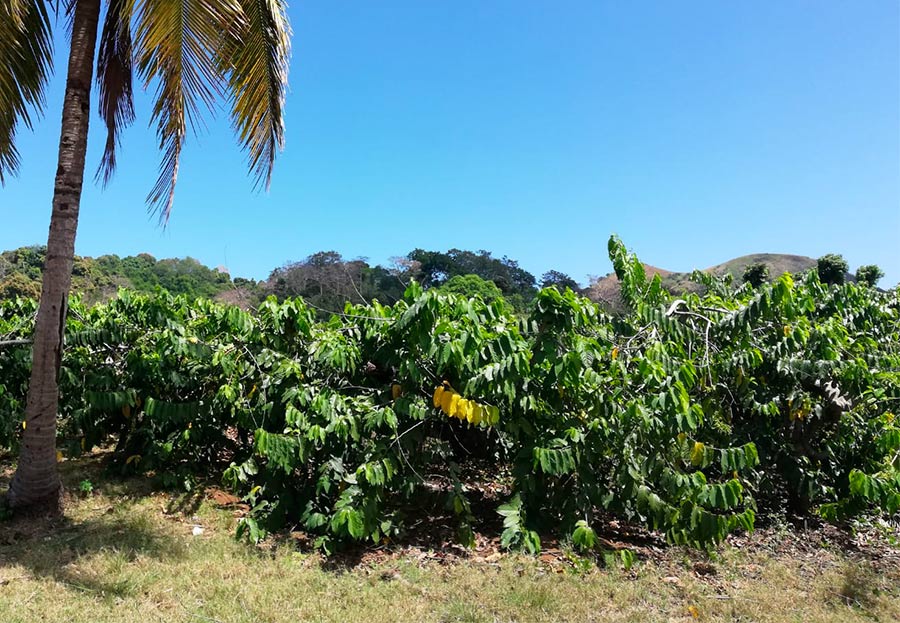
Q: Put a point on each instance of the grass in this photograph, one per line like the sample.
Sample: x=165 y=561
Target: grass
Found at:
x=126 y=554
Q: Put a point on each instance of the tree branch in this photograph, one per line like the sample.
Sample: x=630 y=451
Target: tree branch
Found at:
x=6 y=343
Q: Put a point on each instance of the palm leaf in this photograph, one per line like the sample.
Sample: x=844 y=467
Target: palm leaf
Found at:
x=176 y=47
x=258 y=56
x=114 y=79
x=26 y=62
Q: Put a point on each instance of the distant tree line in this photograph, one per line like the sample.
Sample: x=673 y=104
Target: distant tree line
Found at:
x=327 y=281
x=99 y=278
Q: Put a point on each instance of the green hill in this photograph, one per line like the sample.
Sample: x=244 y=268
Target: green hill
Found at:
x=98 y=278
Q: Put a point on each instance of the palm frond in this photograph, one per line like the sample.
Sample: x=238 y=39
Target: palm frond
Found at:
x=176 y=45
x=26 y=62
x=114 y=79
x=258 y=56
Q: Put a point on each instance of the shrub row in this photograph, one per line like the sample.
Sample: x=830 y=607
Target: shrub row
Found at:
x=683 y=414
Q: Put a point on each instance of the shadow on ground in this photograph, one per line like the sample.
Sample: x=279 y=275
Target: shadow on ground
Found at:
x=54 y=547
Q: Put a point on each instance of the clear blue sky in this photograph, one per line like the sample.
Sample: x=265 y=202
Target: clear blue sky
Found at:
x=698 y=131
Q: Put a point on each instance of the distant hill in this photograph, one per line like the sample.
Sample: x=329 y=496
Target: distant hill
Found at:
x=778 y=263
x=97 y=279
x=606 y=289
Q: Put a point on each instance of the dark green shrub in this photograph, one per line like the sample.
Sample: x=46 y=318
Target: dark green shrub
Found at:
x=832 y=269
x=869 y=275
x=756 y=274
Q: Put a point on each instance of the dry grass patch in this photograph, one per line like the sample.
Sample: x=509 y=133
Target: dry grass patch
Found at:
x=130 y=555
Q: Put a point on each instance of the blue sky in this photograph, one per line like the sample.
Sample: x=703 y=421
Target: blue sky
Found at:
x=697 y=131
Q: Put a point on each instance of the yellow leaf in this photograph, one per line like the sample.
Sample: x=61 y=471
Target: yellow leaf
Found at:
x=446 y=398
x=694 y=611
x=477 y=414
x=134 y=458
x=698 y=453
x=24 y=424
x=438 y=393
x=615 y=353
x=470 y=409
x=396 y=391
x=126 y=411
x=59 y=456
x=454 y=405
x=682 y=437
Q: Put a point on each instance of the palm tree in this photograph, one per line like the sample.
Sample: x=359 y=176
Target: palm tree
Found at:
x=194 y=52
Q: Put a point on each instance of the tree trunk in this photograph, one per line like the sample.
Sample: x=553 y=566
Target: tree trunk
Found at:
x=36 y=485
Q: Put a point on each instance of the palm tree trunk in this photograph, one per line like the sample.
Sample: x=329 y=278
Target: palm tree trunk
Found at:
x=36 y=485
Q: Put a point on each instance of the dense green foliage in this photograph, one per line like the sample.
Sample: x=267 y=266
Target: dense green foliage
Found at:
x=756 y=274
x=470 y=286
x=177 y=276
x=869 y=275
x=685 y=415
x=97 y=279
x=559 y=280
x=327 y=281
x=832 y=269
x=433 y=268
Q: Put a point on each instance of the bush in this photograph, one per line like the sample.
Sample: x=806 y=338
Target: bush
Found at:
x=756 y=274
x=869 y=275
x=471 y=286
x=832 y=269
x=685 y=415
